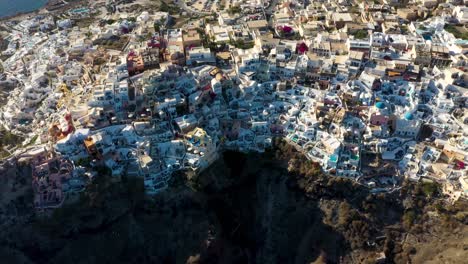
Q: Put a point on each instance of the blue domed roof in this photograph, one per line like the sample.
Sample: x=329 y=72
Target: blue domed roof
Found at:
x=409 y=116
x=380 y=105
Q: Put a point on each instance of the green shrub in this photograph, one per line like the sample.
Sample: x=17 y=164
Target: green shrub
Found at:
x=360 y=34
x=409 y=218
x=234 y=10
x=430 y=189
x=456 y=32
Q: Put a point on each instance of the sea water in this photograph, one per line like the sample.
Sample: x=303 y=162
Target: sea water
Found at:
x=13 y=7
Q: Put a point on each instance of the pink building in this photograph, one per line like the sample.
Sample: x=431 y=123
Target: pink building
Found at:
x=378 y=119
x=379 y=114
x=49 y=176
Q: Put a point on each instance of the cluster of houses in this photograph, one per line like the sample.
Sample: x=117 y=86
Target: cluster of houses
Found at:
x=375 y=92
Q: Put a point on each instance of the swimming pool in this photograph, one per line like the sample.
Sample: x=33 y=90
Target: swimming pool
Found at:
x=79 y=10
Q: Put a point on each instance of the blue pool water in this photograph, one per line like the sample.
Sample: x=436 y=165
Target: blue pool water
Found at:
x=80 y=10
x=13 y=7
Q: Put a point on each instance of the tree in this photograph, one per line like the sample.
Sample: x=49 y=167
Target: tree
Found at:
x=430 y=188
x=157 y=27
x=408 y=218
x=360 y=34
x=456 y=32
x=404 y=29
x=241 y=44
x=84 y=162
x=234 y=10
x=7 y=138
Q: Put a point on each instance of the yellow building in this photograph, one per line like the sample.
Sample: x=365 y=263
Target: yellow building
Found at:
x=453 y=153
x=199 y=137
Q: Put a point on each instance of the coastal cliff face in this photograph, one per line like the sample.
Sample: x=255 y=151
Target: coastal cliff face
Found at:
x=246 y=208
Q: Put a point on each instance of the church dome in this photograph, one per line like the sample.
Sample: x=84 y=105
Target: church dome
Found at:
x=380 y=105
x=409 y=116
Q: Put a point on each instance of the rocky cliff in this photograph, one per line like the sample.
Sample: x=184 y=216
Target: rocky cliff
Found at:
x=270 y=208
